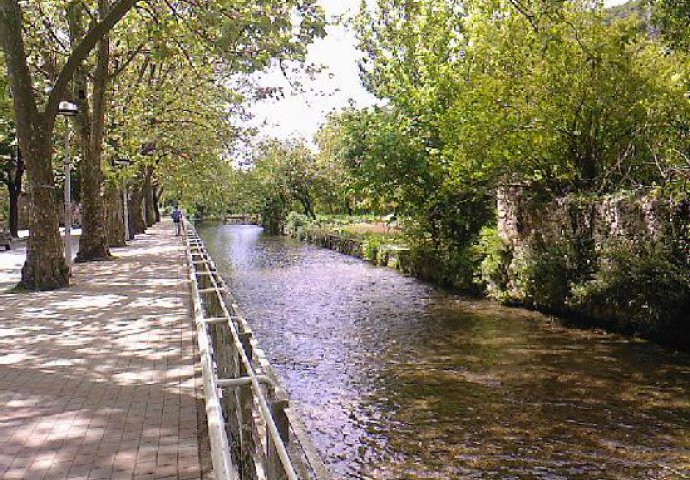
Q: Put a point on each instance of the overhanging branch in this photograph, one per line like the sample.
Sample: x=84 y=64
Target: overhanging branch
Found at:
x=95 y=33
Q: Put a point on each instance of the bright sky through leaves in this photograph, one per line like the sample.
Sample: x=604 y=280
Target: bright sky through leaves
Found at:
x=300 y=115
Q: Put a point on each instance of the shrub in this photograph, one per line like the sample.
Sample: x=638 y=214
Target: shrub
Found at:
x=492 y=262
x=371 y=247
x=445 y=264
x=295 y=223
x=273 y=215
x=644 y=286
x=544 y=276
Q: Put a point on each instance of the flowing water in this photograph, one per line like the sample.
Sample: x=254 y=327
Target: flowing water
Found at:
x=399 y=380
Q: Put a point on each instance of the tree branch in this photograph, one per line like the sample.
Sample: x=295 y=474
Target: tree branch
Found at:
x=21 y=81
x=95 y=33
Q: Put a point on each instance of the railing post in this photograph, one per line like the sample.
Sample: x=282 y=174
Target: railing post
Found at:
x=275 y=466
x=245 y=408
x=231 y=402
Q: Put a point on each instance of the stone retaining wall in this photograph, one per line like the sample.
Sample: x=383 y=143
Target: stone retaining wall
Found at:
x=393 y=256
x=607 y=258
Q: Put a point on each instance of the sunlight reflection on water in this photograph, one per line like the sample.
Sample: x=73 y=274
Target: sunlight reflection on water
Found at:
x=398 y=380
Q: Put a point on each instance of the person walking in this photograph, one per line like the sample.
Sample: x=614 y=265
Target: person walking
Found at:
x=177 y=220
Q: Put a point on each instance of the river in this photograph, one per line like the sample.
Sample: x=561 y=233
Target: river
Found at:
x=399 y=380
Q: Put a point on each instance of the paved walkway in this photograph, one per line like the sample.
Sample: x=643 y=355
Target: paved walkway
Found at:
x=98 y=381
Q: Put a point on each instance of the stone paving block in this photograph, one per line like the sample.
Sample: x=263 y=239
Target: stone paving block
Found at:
x=97 y=381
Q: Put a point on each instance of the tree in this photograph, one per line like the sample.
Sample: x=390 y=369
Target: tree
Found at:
x=338 y=191
x=485 y=92
x=244 y=37
x=538 y=91
x=564 y=99
x=12 y=175
x=45 y=266
x=93 y=242
x=284 y=176
x=11 y=161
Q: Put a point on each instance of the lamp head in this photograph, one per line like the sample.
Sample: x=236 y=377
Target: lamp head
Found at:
x=68 y=109
x=121 y=162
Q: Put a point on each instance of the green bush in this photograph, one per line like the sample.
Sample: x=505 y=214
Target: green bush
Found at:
x=646 y=287
x=371 y=247
x=273 y=214
x=492 y=263
x=544 y=277
x=444 y=264
x=295 y=224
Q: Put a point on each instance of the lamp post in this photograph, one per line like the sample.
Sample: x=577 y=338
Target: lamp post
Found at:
x=68 y=109
x=124 y=163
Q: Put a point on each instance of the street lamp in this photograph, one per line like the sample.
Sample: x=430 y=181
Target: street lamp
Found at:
x=68 y=109
x=124 y=163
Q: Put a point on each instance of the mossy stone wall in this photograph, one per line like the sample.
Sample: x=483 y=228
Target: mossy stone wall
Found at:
x=621 y=260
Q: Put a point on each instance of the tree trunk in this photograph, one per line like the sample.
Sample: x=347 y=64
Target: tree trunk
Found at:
x=15 y=175
x=136 y=212
x=45 y=267
x=156 y=201
x=14 y=212
x=93 y=243
x=149 y=198
x=114 y=216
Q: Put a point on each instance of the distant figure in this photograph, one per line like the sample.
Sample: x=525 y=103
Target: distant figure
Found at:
x=177 y=219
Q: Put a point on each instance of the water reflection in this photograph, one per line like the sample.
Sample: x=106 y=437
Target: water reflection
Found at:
x=398 y=380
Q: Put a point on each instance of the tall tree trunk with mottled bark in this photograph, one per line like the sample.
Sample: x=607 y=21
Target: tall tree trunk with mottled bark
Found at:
x=156 y=200
x=149 y=198
x=136 y=208
x=93 y=242
x=13 y=177
x=114 y=216
x=45 y=267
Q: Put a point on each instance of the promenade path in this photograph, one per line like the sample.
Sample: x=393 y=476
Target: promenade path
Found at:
x=98 y=381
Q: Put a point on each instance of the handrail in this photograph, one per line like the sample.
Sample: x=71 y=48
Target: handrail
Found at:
x=223 y=467
x=249 y=373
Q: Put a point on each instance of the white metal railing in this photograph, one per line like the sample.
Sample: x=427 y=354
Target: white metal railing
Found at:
x=254 y=434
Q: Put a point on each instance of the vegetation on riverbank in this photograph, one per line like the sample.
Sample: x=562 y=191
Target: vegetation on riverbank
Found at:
x=367 y=237
x=565 y=100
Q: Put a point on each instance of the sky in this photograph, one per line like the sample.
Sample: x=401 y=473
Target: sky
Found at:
x=300 y=114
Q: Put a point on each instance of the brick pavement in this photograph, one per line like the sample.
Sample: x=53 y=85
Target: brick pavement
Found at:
x=97 y=381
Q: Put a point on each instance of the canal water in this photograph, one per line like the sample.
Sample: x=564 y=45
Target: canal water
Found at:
x=399 y=380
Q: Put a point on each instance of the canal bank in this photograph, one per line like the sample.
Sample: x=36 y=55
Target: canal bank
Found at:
x=398 y=379
x=619 y=262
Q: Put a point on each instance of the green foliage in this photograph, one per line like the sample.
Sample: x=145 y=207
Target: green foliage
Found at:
x=544 y=277
x=273 y=212
x=553 y=92
x=385 y=161
x=174 y=80
x=571 y=102
x=371 y=247
x=285 y=176
x=645 y=286
x=391 y=166
x=494 y=256
x=442 y=263
x=295 y=223
x=672 y=17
